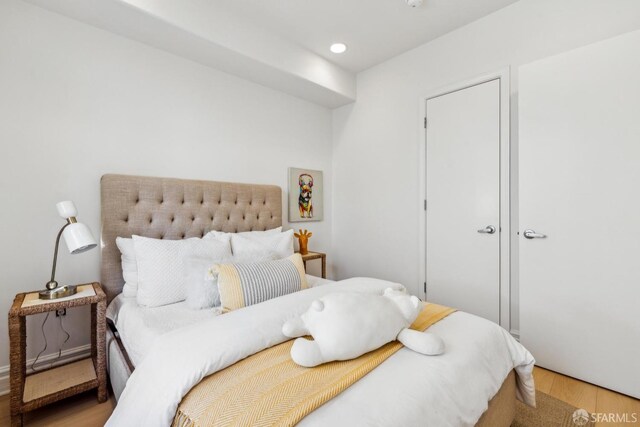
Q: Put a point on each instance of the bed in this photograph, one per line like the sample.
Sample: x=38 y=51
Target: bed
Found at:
x=165 y=208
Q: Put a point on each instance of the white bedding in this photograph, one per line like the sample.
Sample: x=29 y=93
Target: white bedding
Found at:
x=406 y=390
x=139 y=327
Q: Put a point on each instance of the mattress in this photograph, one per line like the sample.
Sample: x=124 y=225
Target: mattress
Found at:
x=139 y=327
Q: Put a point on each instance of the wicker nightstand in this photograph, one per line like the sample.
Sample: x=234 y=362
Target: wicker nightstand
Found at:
x=29 y=392
x=316 y=255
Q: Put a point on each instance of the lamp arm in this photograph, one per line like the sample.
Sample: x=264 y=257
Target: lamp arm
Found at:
x=55 y=253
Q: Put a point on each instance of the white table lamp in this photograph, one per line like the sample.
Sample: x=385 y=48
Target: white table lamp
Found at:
x=78 y=238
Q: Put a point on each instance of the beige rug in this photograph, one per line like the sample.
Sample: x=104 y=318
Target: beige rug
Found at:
x=550 y=412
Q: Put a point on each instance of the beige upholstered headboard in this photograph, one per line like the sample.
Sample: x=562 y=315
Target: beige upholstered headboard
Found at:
x=168 y=208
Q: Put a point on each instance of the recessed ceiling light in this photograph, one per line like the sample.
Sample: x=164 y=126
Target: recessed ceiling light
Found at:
x=338 y=48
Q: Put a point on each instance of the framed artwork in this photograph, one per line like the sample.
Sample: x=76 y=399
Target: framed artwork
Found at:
x=305 y=195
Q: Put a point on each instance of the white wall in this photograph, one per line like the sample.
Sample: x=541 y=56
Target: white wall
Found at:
x=77 y=102
x=376 y=139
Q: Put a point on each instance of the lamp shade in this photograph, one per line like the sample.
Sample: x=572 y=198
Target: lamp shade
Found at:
x=76 y=235
x=67 y=209
x=78 y=238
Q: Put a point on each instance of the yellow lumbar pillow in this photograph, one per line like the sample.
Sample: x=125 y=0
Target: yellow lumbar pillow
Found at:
x=242 y=285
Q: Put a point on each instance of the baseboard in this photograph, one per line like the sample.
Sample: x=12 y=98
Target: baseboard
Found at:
x=67 y=356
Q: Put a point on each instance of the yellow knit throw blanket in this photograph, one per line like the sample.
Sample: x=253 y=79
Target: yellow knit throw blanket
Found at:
x=269 y=389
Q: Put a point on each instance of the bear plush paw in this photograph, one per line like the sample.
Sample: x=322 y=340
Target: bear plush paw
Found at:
x=422 y=342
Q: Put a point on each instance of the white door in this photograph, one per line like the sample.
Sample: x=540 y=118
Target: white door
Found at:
x=580 y=186
x=463 y=199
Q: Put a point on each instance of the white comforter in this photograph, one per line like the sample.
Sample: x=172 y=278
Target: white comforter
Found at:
x=407 y=389
x=140 y=327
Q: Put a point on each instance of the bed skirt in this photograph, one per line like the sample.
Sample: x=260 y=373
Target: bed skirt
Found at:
x=118 y=365
x=502 y=407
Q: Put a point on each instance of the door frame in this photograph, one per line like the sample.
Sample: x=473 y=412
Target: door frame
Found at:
x=503 y=75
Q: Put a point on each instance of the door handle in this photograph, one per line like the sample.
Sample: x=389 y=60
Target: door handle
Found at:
x=489 y=229
x=530 y=234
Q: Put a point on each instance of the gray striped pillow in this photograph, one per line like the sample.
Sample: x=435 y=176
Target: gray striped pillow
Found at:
x=242 y=285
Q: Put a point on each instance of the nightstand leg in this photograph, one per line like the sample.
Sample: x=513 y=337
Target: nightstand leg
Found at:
x=16 y=420
x=18 y=370
x=98 y=347
x=324 y=267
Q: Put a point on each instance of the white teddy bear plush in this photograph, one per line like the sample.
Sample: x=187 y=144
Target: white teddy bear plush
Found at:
x=347 y=325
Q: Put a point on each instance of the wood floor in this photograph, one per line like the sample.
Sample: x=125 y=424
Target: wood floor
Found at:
x=587 y=396
x=83 y=410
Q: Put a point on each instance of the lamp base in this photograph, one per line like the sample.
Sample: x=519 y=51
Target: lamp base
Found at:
x=59 y=292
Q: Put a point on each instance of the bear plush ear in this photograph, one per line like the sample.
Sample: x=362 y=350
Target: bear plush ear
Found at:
x=394 y=292
x=317 y=305
x=415 y=301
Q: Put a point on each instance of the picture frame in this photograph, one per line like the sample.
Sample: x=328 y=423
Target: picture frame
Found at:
x=306 y=195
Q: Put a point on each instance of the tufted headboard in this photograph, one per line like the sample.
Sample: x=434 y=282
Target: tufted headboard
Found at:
x=168 y=208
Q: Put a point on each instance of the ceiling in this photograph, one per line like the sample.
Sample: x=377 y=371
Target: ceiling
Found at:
x=282 y=44
x=374 y=30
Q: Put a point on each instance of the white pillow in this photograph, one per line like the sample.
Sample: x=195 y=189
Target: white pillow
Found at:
x=261 y=247
x=214 y=233
x=129 y=266
x=202 y=287
x=162 y=272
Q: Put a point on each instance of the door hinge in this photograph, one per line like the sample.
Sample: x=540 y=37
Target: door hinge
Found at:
x=425 y=287
x=425 y=122
x=425 y=204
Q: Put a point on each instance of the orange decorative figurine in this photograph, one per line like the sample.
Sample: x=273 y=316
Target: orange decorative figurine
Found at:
x=303 y=239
